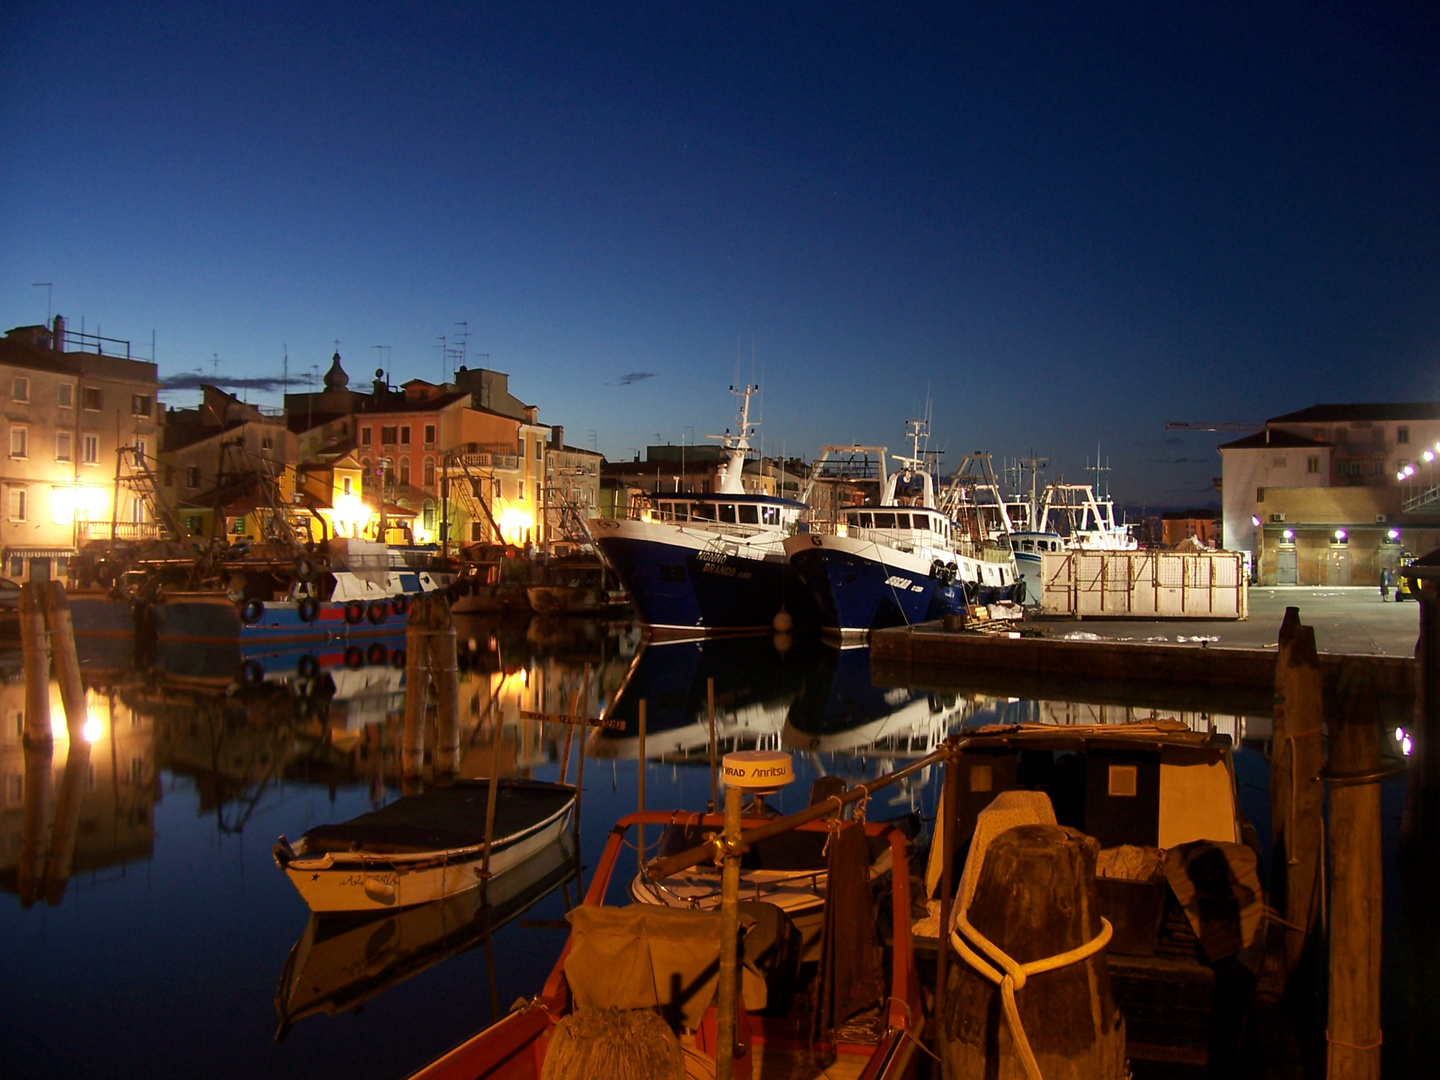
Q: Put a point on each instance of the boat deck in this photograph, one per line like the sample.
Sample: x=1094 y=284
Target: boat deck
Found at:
x=443 y=819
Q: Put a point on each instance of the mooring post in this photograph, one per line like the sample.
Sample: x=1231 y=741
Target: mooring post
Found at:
x=1353 y=1028
x=945 y=822
x=580 y=765
x=728 y=990
x=417 y=682
x=714 y=765
x=36 y=807
x=67 y=821
x=35 y=649
x=1296 y=793
x=640 y=785
x=444 y=669
x=56 y=606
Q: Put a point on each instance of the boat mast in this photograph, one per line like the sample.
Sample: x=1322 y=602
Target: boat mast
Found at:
x=730 y=476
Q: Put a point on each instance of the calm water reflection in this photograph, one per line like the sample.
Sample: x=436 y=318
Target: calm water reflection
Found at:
x=148 y=932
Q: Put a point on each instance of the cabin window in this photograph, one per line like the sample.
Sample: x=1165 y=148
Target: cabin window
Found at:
x=749 y=515
x=884 y=520
x=865 y=521
x=922 y=522
x=902 y=521
x=981 y=778
x=703 y=512
x=1123 y=780
x=769 y=515
x=727 y=513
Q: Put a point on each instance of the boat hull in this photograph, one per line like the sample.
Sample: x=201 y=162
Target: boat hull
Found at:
x=861 y=586
x=680 y=588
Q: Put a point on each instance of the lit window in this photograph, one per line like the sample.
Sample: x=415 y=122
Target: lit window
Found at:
x=19 y=441
x=345 y=485
x=90 y=449
x=20 y=388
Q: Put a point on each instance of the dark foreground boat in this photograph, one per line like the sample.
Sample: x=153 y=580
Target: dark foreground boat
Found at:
x=424 y=847
x=659 y=966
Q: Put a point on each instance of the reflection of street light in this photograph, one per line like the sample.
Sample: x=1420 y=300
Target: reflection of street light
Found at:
x=1255 y=520
x=1289 y=535
x=1340 y=536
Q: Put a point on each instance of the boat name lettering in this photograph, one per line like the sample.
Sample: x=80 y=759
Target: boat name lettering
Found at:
x=895 y=581
x=773 y=770
x=711 y=556
x=360 y=879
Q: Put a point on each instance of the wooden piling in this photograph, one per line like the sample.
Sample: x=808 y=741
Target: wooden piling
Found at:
x=1035 y=900
x=36 y=807
x=1354 y=771
x=35 y=648
x=61 y=858
x=56 y=606
x=729 y=983
x=444 y=670
x=945 y=823
x=1296 y=793
x=417 y=683
x=714 y=764
x=640 y=786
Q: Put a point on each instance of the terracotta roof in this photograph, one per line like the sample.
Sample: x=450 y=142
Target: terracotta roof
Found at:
x=1275 y=438
x=1373 y=411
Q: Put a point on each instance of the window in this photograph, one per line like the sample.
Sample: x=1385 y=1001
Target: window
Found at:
x=90 y=449
x=387 y=436
x=429 y=435
x=345 y=485
x=405 y=435
x=539 y=449
x=1312 y=463
x=1342 y=436
x=19 y=503
x=17 y=567
x=365 y=436
x=19 y=440
x=64 y=448
x=404 y=470
x=91 y=399
x=192 y=476
x=1402 y=434
x=65 y=396
x=20 y=388
x=749 y=515
x=139 y=404
x=429 y=473
x=267 y=442
x=428 y=518
x=193 y=524
x=537 y=492
x=140 y=446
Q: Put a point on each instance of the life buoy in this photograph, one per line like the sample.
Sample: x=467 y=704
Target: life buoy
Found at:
x=308 y=667
x=251 y=673
x=400 y=605
x=379 y=611
x=354 y=612
x=252 y=611
x=354 y=656
x=304 y=569
x=309 y=609
x=377 y=653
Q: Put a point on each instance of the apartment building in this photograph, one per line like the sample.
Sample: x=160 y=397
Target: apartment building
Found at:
x=69 y=401
x=1334 y=493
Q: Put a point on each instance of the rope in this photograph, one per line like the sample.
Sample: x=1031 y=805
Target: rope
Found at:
x=1352 y=1046
x=1015 y=974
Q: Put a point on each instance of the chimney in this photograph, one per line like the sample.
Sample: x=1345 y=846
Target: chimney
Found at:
x=57 y=339
x=557 y=436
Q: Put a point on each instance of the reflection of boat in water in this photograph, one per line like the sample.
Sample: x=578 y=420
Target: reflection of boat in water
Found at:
x=424 y=847
x=840 y=710
x=343 y=959
x=754 y=686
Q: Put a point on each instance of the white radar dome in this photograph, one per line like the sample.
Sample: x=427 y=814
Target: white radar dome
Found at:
x=760 y=771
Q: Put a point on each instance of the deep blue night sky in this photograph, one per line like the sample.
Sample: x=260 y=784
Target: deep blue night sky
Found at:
x=1067 y=226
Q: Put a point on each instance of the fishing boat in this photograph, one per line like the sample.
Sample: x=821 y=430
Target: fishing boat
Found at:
x=700 y=563
x=903 y=561
x=343 y=959
x=424 y=847
x=1176 y=872
x=653 y=970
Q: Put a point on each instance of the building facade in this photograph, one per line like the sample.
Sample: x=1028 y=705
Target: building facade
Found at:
x=68 y=406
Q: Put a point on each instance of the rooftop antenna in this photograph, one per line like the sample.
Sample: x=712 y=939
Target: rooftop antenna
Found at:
x=441 y=347
x=47 y=286
x=464 y=336
x=380 y=362
x=284 y=372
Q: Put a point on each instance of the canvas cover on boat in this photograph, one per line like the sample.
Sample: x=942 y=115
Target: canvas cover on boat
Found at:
x=1218 y=885
x=641 y=956
x=443 y=819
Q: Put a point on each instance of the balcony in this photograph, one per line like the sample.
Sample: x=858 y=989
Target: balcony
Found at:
x=123 y=530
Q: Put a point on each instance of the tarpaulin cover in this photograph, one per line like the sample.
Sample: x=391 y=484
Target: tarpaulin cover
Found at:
x=644 y=956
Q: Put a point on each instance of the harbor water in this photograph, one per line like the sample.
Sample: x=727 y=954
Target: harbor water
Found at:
x=150 y=933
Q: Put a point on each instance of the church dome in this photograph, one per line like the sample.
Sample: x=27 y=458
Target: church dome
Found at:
x=335 y=378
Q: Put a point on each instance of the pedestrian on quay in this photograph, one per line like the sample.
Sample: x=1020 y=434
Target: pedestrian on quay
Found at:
x=1384 y=584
